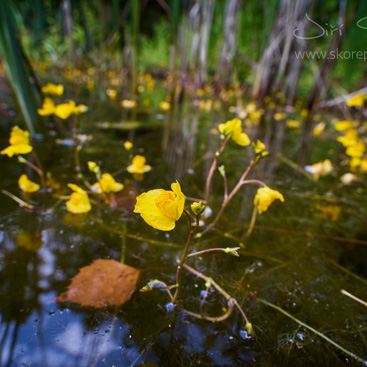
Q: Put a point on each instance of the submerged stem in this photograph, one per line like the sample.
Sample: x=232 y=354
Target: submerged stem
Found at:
x=350 y=354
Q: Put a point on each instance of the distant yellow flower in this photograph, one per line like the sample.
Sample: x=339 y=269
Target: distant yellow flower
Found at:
x=64 y=110
x=350 y=138
x=356 y=150
x=348 y=178
x=19 y=142
x=48 y=107
x=81 y=108
x=280 y=116
x=320 y=169
x=128 y=145
x=53 y=89
x=160 y=208
x=129 y=103
x=258 y=147
x=138 y=165
x=331 y=212
x=165 y=106
x=293 y=124
x=304 y=113
x=319 y=128
x=79 y=201
x=112 y=93
x=233 y=129
x=107 y=184
x=343 y=125
x=265 y=196
x=26 y=185
x=356 y=101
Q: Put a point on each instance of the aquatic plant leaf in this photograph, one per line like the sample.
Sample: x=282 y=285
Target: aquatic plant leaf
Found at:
x=103 y=283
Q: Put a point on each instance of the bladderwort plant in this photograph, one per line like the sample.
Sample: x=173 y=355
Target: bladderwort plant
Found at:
x=162 y=208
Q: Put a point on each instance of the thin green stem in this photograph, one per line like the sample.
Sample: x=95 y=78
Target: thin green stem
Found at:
x=211 y=250
x=19 y=201
x=252 y=223
x=213 y=168
x=40 y=172
x=231 y=195
x=184 y=255
x=350 y=354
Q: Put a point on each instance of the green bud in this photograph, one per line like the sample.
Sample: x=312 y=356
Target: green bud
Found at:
x=208 y=283
x=249 y=329
x=232 y=251
x=146 y=288
x=197 y=208
x=222 y=170
x=21 y=159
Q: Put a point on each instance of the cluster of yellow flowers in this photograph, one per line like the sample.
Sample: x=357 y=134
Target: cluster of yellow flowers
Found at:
x=63 y=110
x=353 y=143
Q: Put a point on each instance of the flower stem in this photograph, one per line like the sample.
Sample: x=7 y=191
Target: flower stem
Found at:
x=208 y=250
x=231 y=195
x=19 y=201
x=40 y=169
x=213 y=167
x=184 y=256
x=252 y=223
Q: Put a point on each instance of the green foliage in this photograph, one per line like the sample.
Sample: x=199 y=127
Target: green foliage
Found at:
x=12 y=54
x=154 y=51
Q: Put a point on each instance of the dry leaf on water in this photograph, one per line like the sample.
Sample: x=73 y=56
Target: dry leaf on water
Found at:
x=103 y=283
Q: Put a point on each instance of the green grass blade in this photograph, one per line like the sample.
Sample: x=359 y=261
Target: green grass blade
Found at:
x=16 y=69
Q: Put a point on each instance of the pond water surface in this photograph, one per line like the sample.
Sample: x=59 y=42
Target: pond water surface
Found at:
x=298 y=258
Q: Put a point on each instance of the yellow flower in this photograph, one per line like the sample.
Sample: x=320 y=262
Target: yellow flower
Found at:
x=160 y=208
x=258 y=147
x=112 y=93
x=265 y=196
x=107 y=184
x=343 y=125
x=233 y=129
x=79 y=201
x=138 y=165
x=348 y=178
x=320 y=169
x=19 y=142
x=165 y=106
x=331 y=212
x=280 y=116
x=53 y=89
x=319 y=128
x=129 y=103
x=293 y=124
x=64 y=110
x=48 y=107
x=350 y=138
x=356 y=101
x=128 y=145
x=356 y=150
x=26 y=185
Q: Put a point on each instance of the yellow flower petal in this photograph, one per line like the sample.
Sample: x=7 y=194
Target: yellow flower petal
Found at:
x=78 y=203
x=26 y=185
x=48 y=107
x=265 y=196
x=64 y=110
x=146 y=206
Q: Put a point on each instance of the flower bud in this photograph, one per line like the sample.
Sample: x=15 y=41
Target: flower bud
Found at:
x=197 y=208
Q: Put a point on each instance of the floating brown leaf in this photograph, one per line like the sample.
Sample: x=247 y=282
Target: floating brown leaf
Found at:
x=103 y=283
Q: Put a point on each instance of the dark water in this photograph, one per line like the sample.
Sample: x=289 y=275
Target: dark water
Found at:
x=295 y=258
